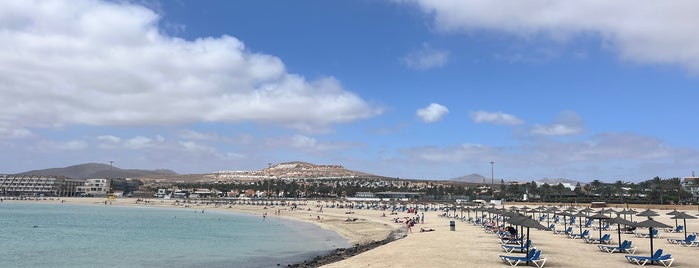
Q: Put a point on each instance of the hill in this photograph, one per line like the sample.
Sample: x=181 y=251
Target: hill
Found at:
x=97 y=170
x=473 y=178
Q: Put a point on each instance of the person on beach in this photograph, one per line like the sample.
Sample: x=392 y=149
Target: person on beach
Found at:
x=423 y=218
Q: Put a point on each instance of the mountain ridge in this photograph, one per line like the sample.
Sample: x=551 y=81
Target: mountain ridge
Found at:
x=96 y=170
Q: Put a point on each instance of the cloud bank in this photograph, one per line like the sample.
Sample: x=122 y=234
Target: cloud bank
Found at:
x=646 y=31
x=103 y=63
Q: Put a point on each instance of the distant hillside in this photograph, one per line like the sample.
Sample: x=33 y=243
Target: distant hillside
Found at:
x=473 y=178
x=96 y=170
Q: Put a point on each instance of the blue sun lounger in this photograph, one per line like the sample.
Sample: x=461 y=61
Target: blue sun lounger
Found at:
x=520 y=248
x=685 y=242
x=625 y=247
x=666 y=260
x=584 y=234
x=533 y=256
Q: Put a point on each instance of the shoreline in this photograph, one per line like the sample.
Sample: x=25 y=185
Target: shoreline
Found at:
x=365 y=233
x=468 y=244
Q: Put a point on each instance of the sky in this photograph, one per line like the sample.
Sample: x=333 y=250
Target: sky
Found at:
x=422 y=89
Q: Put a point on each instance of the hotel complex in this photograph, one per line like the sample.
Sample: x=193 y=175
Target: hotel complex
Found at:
x=39 y=186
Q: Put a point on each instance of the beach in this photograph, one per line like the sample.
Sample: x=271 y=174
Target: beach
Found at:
x=381 y=242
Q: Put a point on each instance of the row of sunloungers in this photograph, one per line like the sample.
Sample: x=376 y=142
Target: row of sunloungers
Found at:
x=604 y=245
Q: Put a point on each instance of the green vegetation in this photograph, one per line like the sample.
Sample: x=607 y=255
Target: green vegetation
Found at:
x=653 y=191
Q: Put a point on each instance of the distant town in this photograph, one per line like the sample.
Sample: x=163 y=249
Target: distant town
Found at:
x=300 y=180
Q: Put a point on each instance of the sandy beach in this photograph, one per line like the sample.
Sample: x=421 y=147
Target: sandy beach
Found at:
x=468 y=245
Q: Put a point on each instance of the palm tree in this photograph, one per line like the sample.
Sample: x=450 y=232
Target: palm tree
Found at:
x=618 y=185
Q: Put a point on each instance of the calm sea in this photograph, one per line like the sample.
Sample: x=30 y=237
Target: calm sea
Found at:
x=61 y=235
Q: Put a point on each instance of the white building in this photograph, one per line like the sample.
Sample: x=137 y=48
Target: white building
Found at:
x=94 y=187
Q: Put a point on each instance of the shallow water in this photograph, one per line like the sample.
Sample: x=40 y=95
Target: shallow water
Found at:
x=61 y=235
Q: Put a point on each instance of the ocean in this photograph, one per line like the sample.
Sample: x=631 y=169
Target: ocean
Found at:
x=63 y=235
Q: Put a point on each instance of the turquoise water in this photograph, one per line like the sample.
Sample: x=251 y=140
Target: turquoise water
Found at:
x=61 y=235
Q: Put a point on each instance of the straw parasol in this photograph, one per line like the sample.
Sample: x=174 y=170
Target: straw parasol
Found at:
x=525 y=221
x=565 y=221
x=650 y=224
x=673 y=213
x=684 y=217
x=619 y=221
x=599 y=216
x=627 y=212
x=648 y=213
x=580 y=215
x=587 y=210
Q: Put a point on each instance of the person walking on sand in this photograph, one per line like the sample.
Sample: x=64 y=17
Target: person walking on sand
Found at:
x=409 y=224
x=422 y=220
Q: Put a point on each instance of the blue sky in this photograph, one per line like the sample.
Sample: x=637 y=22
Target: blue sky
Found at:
x=420 y=89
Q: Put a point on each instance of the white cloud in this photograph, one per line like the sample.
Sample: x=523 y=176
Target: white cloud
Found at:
x=498 y=118
x=650 y=31
x=565 y=124
x=138 y=142
x=58 y=146
x=103 y=63
x=109 y=138
x=14 y=133
x=432 y=113
x=426 y=58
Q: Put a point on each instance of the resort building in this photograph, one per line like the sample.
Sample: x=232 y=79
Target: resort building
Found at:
x=16 y=185
x=94 y=187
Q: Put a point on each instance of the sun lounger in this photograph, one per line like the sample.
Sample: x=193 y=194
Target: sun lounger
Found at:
x=533 y=256
x=605 y=239
x=583 y=235
x=604 y=228
x=687 y=241
x=625 y=247
x=567 y=231
x=679 y=229
x=666 y=260
x=520 y=248
x=655 y=234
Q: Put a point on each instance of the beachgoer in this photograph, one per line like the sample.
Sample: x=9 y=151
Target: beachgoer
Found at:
x=423 y=218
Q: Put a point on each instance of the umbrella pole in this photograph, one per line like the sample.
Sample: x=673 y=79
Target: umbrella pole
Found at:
x=618 y=231
x=684 y=227
x=580 y=221
x=600 y=230
x=650 y=232
x=527 y=244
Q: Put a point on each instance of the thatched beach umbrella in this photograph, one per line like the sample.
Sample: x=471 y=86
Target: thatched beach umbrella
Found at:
x=565 y=220
x=580 y=215
x=650 y=224
x=608 y=210
x=684 y=217
x=552 y=209
x=673 y=213
x=525 y=221
x=648 y=213
x=628 y=212
x=619 y=221
x=600 y=217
